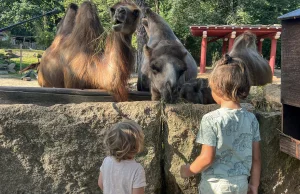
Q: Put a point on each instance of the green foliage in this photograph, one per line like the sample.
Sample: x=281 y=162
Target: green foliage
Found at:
x=29 y=57
x=45 y=38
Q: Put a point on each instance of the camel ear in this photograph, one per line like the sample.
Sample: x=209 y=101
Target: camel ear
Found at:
x=147 y=50
x=147 y=10
x=145 y=22
x=112 y=11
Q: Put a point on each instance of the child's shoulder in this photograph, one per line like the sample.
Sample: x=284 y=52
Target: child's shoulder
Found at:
x=213 y=115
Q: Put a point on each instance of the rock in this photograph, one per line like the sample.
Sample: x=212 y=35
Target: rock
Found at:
x=58 y=149
x=265 y=98
x=3 y=72
x=182 y=122
x=280 y=172
x=181 y=126
x=272 y=94
x=3 y=66
x=26 y=78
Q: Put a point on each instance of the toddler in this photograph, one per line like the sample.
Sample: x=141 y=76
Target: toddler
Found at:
x=120 y=173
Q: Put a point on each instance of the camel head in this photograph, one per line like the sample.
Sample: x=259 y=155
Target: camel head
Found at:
x=125 y=17
x=165 y=69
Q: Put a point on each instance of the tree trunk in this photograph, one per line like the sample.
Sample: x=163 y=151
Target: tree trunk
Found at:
x=156 y=6
x=141 y=36
x=141 y=41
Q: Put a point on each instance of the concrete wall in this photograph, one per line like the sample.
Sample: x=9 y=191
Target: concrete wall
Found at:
x=58 y=149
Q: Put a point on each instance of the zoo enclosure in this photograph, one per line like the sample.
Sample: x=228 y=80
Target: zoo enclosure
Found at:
x=229 y=32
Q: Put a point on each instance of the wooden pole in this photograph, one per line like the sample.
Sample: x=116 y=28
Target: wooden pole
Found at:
x=273 y=54
x=259 y=45
x=224 y=47
x=203 y=52
x=20 y=56
x=273 y=51
x=231 y=40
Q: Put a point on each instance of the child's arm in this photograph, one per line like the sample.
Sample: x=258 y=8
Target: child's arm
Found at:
x=202 y=162
x=100 y=181
x=138 y=190
x=255 y=169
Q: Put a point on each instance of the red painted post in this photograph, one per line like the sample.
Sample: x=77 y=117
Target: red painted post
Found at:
x=273 y=51
x=231 y=40
x=203 y=52
x=259 y=45
x=224 y=48
x=273 y=54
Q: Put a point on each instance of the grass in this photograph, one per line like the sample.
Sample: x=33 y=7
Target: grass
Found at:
x=27 y=59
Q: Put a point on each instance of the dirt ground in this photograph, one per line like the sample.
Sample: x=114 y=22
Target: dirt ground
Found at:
x=15 y=80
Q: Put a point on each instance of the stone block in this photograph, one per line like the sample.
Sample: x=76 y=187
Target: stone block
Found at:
x=58 y=149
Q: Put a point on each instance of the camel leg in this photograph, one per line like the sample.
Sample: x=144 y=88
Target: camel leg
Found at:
x=120 y=94
x=41 y=81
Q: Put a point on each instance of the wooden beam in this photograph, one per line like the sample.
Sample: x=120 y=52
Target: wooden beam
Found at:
x=214 y=39
x=51 y=96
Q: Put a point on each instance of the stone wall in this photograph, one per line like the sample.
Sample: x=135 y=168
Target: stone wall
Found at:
x=58 y=149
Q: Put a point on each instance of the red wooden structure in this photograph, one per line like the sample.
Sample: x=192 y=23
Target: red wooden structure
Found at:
x=228 y=33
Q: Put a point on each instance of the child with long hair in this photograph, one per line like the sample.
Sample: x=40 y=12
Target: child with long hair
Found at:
x=120 y=173
x=229 y=136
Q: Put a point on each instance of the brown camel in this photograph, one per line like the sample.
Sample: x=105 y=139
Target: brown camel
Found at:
x=74 y=60
x=244 y=47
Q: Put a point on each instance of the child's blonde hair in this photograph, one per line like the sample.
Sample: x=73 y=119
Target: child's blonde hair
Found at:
x=230 y=79
x=124 y=140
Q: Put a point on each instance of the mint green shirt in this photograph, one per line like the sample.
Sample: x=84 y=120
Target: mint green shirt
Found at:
x=232 y=132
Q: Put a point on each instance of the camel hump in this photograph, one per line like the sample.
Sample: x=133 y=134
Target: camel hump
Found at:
x=245 y=40
x=87 y=23
x=67 y=23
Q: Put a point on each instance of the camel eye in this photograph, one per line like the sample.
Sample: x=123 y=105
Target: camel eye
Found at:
x=136 y=13
x=155 y=69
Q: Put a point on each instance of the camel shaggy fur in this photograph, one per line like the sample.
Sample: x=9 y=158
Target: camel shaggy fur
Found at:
x=244 y=47
x=74 y=59
x=166 y=64
x=197 y=91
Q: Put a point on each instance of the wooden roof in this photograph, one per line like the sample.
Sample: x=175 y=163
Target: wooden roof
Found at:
x=225 y=30
x=292 y=15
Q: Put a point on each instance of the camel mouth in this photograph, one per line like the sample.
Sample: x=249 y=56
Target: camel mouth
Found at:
x=117 y=22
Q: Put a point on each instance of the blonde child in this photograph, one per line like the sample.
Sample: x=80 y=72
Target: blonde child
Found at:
x=229 y=136
x=120 y=173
